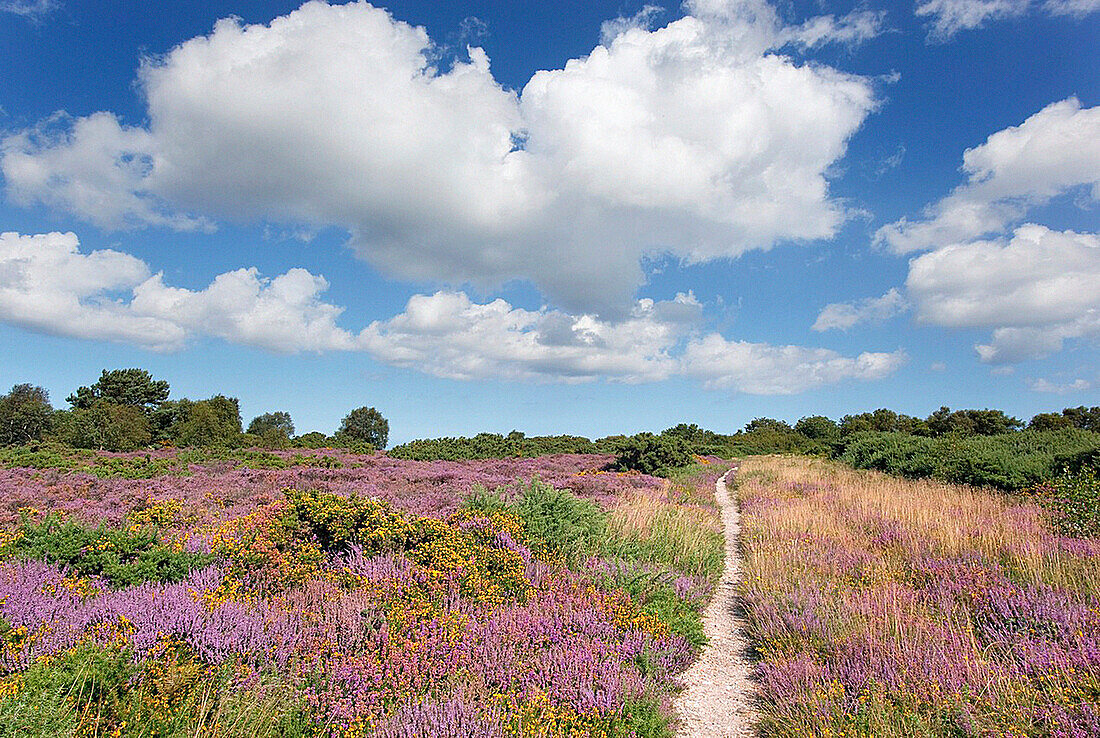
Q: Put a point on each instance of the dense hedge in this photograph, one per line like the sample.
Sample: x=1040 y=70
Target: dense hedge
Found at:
x=1011 y=461
x=494 y=446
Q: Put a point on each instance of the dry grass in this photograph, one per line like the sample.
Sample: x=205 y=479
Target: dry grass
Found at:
x=881 y=606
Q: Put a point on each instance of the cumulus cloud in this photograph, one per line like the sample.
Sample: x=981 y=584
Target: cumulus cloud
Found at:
x=763 y=369
x=448 y=335
x=1055 y=151
x=1035 y=290
x=687 y=139
x=845 y=315
x=48 y=285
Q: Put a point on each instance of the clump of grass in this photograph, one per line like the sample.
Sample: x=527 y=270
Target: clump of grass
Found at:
x=685 y=536
x=93 y=687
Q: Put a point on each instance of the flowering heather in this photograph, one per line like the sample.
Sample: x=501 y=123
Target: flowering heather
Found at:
x=347 y=596
x=893 y=608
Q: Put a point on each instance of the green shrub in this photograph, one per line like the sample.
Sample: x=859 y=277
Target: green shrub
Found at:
x=95 y=690
x=650 y=454
x=483 y=500
x=122 y=558
x=1011 y=461
x=1075 y=500
x=493 y=446
x=559 y=521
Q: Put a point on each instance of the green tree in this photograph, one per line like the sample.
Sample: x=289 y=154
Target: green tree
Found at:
x=767 y=425
x=818 y=428
x=25 y=414
x=213 y=422
x=1049 y=421
x=132 y=387
x=105 y=426
x=971 y=422
x=1085 y=418
x=365 y=425
x=279 y=422
x=884 y=421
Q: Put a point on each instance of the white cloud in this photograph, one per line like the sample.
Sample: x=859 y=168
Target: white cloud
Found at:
x=688 y=139
x=1035 y=290
x=32 y=9
x=845 y=315
x=1055 y=151
x=854 y=28
x=1073 y=8
x=448 y=335
x=645 y=19
x=763 y=369
x=48 y=285
x=93 y=166
x=949 y=17
x=1045 y=385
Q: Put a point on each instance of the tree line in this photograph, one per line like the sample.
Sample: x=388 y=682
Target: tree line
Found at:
x=127 y=409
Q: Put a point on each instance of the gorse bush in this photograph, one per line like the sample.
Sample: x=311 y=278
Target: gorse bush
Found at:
x=652 y=454
x=337 y=522
x=121 y=557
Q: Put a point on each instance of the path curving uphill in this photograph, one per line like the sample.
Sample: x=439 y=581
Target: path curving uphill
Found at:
x=718 y=689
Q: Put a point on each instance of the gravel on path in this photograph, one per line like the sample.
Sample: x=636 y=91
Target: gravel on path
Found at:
x=718 y=689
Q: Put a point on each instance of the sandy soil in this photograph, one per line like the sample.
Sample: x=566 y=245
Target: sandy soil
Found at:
x=717 y=697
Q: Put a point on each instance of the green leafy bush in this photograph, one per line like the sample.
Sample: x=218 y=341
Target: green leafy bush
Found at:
x=122 y=558
x=565 y=524
x=1075 y=500
x=494 y=446
x=651 y=454
x=1010 y=461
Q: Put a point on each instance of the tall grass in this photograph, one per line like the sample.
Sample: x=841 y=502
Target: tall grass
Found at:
x=681 y=529
x=885 y=607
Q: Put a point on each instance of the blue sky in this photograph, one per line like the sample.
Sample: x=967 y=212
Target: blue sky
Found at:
x=557 y=217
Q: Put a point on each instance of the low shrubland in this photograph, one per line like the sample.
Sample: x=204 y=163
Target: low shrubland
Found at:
x=886 y=607
x=372 y=597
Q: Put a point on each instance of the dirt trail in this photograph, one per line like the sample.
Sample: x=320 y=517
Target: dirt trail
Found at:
x=717 y=697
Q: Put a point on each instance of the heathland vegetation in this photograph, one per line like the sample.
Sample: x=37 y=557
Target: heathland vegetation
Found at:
x=166 y=570
x=887 y=607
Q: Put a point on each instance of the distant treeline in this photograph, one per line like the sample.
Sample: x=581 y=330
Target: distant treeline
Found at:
x=127 y=410
x=979 y=447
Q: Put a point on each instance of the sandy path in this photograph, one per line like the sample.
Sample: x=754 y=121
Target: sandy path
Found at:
x=717 y=699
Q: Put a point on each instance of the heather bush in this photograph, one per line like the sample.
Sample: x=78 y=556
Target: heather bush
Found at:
x=340 y=595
